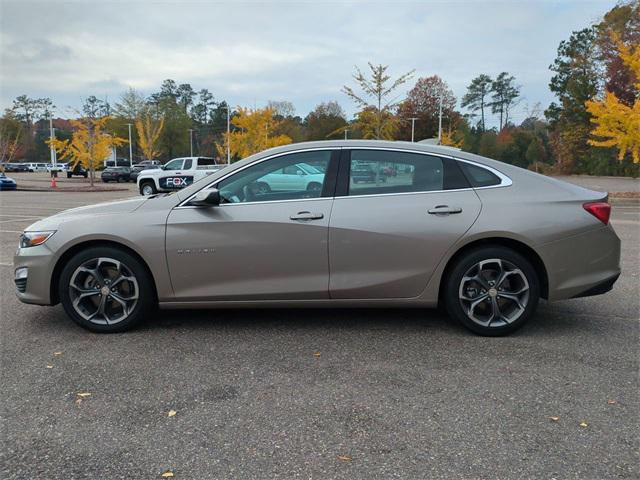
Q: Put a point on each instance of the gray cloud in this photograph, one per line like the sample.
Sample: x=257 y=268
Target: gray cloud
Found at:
x=250 y=52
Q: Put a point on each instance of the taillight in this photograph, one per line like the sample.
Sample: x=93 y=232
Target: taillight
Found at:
x=600 y=210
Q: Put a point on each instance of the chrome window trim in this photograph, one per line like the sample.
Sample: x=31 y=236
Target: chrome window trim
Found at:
x=505 y=181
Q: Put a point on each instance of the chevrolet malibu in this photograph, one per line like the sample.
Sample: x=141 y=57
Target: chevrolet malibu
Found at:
x=484 y=239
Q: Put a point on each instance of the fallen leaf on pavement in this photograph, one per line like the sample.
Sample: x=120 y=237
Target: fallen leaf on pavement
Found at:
x=612 y=402
x=49 y=366
x=584 y=424
x=555 y=419
x=83 y=394
x=167 y=474
x=345 y=458
x=57 y=354
x=316 y=354
x=171 y=413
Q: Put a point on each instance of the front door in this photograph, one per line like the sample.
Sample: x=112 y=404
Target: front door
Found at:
x=259 y=244
x=388 y=232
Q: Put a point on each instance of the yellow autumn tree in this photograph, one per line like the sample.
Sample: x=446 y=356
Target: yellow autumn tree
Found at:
x=616 y=124
x=255 y=131
x=90 y=144
x=148 y=135
x=448 y=139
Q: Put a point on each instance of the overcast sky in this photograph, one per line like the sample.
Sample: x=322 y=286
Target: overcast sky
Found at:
x=251 y=52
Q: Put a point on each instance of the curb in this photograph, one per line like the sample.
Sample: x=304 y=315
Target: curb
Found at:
x=71 y=190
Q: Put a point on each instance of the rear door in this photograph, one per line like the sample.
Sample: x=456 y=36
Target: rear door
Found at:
x=388 y=232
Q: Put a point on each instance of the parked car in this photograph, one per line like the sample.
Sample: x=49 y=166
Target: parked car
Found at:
x=58 y=167
x=300 y=176
x=118 y=162
x=77 y=171
x=366 y=174
x=153 y=163
x=176 y=174
x=7 y=183
x=135 y=171
x=37 y=167
x=15 y=167
x=115 y=174
x=484 y=239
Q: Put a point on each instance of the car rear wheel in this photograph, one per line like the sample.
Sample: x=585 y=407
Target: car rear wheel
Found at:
x=147 y=188
x=104 y=289
x=492 y=291
x=314 y=187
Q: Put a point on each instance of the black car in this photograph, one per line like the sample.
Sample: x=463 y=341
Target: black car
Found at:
x=136 y=169
x=116 y=174
x=77 y=171
x=15 y=167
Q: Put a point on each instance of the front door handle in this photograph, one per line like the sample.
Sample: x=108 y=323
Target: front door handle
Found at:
x=444 y=210
x=307 y=216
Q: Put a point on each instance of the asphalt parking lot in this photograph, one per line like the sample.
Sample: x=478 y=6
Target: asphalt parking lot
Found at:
x=318 y=393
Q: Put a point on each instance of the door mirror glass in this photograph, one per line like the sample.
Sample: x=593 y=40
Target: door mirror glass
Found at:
x=206 y=198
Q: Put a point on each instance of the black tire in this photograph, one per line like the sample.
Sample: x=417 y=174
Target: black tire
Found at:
x=454 y=289
x=68 y=175
x=148 y=183
x=146 y=301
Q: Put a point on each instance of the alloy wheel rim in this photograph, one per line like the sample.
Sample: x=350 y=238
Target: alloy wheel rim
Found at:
x=494 y=293
x=147 y=190
x=103 y=291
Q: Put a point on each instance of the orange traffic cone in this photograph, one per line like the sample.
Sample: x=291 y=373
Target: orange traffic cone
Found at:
x=53 y=182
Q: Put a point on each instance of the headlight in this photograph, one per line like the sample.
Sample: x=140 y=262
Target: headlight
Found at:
x=31 y=239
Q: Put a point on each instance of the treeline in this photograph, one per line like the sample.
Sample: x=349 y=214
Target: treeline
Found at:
x=588 y=129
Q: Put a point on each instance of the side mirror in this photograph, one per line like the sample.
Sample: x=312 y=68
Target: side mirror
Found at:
x=206 y=198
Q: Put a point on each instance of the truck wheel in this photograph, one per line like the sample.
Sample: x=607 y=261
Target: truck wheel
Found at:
x=147 y=188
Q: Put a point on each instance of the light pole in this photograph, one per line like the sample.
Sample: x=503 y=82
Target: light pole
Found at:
x=440 y=121
x=191 y=140
x=130 y=146
x=345 y=133
x=413 y=126
x=228 y=135
x=54 y=157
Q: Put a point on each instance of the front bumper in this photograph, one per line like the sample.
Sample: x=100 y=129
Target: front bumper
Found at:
x=39 y=262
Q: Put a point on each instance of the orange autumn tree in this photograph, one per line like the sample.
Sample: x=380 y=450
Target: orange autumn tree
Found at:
x=90 y=144
x=255 y=131
x=616 y=124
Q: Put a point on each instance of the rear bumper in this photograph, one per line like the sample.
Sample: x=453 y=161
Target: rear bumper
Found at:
x=582 y=265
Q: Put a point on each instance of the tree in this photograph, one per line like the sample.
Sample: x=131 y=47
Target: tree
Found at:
x=90 y=145
x=618 y=125
x=423 y=102
x=10 y=132
x=325 y=121
x=504 y=95
x=185 y=95
x=536 y=152
x=255 y=132
x=148 y=135
x=376 y=101
x=29 y=110
x=93 y=107
x=202 y=110
x=576 y=80
x=621 y=22
x=475 y=98
x=131 y=105
x=282 y=108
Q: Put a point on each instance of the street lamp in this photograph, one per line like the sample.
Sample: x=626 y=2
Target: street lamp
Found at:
x=228 y=133
x=345 y=133
x=413 y=126
x=130 y=146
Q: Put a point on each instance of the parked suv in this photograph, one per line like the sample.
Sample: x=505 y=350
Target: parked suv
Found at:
x=176 y=174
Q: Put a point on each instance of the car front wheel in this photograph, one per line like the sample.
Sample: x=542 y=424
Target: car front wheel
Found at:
x=147 y=188
x=492 y=291
x=105 y=289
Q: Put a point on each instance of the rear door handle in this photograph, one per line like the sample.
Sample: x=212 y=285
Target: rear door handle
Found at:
x=307 y=216
x=444 y=210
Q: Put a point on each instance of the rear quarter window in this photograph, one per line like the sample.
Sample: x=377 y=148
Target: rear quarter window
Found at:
x=478 y=176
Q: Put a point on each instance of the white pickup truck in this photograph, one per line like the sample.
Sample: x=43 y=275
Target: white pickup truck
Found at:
x=175 y=174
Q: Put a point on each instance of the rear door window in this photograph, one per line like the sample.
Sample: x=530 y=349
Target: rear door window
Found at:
x=478 y=176
x=376 y=172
